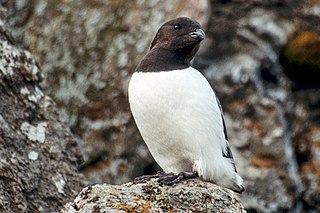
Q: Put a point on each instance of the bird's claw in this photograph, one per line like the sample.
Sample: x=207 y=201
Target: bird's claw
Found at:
x=171 y=178
x=145 y=178
x=166 y=178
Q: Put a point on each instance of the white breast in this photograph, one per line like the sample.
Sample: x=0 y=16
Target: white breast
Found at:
x=179 y=119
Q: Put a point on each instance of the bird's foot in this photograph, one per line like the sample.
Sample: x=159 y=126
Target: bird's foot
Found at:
x=145 y=178
x=171 y=178
x=166 y=178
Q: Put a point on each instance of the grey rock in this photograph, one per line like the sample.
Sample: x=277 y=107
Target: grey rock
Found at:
x=187 y=196
x=39 y=156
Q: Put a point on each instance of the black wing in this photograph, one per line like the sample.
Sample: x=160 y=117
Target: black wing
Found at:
x=224 y=124
x=226 y=153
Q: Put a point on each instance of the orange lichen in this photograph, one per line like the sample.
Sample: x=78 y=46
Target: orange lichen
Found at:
x=122 y=168
x=146 y=207
x=234 y=105
x=136 y=198
x=143 y=207
x=311 y=167
x=313 y=2
x=263 y=161
x=124 y=207
x=304 y=49
x=253 y=125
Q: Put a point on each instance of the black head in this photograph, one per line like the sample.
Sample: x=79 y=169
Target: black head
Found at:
x=181 y=36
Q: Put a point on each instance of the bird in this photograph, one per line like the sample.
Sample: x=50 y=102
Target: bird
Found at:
x=178 y=113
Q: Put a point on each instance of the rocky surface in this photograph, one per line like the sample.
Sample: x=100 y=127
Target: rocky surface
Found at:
x=187 y=196
x=39 y=157
x=273 y=124
x=251 y=55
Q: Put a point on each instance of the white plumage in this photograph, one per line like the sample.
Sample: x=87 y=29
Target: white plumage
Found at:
x=179 y=119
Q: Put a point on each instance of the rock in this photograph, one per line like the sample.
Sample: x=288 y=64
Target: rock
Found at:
x=306 y=143
x=39 y=157
x=87 y=51
x=269 y=123
x=187 y=196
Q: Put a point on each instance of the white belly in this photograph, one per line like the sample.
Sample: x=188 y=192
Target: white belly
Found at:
x=178 y=117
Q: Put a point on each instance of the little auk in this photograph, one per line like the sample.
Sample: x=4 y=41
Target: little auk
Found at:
x=177 y=112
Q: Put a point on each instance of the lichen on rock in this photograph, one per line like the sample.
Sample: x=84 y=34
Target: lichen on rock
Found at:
x=35 y=147
x=188 y=196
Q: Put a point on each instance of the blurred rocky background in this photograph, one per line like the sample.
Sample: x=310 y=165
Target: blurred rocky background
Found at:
x=39 y=157
x=262 y=58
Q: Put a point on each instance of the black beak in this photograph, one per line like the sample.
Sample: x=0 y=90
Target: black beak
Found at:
x=198 y=33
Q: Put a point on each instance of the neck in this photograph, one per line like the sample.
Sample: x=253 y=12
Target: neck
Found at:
x=159 y=59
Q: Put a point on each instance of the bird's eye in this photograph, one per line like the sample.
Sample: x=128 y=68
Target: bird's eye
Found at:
x=177 y=27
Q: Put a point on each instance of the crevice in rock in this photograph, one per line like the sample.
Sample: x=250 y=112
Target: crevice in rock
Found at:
x=293 y=168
